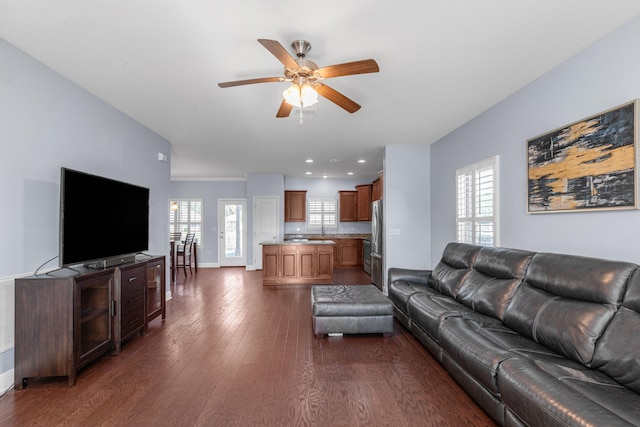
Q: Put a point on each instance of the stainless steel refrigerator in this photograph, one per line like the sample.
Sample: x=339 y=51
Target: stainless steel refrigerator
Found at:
x=377 y=251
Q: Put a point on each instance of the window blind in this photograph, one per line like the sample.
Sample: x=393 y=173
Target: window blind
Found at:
x=477 y=203
x=187 y=218
x=322 y=213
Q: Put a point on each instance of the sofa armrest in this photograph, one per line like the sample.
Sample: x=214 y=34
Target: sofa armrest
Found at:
x=410 y=275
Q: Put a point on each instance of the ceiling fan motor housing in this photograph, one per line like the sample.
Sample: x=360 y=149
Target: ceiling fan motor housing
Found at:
x=301 y=47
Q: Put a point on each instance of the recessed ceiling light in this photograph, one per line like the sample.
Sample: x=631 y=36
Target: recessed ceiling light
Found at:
x=362 y=161
x=309 y=160
x=349 y=173
x=308 y=173
x=325 y=176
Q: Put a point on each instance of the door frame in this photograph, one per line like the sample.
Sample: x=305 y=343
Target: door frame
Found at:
x=257 y=247
x=221 y=230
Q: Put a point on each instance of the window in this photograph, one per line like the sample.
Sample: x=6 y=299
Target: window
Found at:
x=187 y=218
x=477 y=203
x=323 y=213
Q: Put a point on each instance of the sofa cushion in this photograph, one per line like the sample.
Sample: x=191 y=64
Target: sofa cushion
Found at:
x=618 y=351
x=401 y=290
x=468 y=342
x=404 y=282
x=553 y=391
x=453 y=268
x=428 y=310
x=494 y=278
x=566 y=302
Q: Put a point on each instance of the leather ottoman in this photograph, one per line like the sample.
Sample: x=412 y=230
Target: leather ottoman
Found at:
x=350 y=309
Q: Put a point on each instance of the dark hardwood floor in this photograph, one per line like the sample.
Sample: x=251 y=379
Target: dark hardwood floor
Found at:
x=234 y=353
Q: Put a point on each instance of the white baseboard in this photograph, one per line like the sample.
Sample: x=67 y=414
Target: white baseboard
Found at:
x=6 y=381
x=208 y=265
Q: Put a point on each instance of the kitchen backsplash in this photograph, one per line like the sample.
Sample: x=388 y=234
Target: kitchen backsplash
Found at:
x=343 y=228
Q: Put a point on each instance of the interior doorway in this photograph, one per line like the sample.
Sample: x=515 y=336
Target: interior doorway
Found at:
x=232 y=226
x=265 y=225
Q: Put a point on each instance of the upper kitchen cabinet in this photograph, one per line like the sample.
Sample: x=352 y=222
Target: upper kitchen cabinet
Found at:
x=376 y=191
x=295 y=206
x=348 y=206
x=364 y=202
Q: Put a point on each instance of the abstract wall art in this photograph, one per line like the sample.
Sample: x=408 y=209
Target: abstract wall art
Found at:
x=587 y=165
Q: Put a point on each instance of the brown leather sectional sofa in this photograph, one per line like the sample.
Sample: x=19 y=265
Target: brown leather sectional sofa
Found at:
x=537 y=339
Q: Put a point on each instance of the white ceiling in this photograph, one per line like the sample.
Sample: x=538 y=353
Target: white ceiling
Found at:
x=442 y=62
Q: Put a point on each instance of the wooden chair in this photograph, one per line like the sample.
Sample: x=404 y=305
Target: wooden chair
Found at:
x=175 y=236
x=183 y=254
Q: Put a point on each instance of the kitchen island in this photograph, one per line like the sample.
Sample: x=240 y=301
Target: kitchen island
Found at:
x=297 y=262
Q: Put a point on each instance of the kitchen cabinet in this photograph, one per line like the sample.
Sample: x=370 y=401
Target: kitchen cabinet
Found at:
x=363 y=203
x=350 y=253
x=348 y=206
x=376 y=190
x=307 y=263
x=295 y=206
x=347 y=252
x=270 y=262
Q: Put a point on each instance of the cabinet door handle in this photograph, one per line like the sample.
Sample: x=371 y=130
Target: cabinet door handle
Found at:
x=113 y=308
x=131 y=322
x=131 y=279
x=133 y=300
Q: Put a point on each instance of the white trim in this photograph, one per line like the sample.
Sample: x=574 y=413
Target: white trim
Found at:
x=210 y=178
x=6 y=381
x=232 y=262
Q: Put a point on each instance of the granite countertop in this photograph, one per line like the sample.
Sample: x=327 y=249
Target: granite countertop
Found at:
x=298 y=242
x=328 y=236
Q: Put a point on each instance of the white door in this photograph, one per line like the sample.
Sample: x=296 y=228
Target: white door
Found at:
x=265 y=225
x=232 y=226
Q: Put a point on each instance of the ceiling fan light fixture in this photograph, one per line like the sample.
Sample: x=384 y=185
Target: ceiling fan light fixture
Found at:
x=300 y=95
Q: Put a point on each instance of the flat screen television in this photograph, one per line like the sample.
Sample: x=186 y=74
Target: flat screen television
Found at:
x=101 y=218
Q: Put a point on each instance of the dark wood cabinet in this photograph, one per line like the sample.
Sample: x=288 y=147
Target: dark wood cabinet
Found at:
x=67 y=318
x=348 y=206
x=156 y=289
x=295 y=206
x=363 y=203
x=133 y=279
x=61 y=324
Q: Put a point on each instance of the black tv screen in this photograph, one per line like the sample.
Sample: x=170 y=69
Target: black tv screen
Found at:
x=101 y=218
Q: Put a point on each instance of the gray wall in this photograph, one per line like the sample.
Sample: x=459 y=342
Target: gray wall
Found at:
x=406 y=207
x=601 y=77
x=47 y=122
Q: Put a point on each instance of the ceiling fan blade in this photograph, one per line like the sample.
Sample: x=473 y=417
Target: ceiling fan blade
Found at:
x=284 y=110
x=252 y=81
x=279 y=52
x=349 y=68
x=337 y=98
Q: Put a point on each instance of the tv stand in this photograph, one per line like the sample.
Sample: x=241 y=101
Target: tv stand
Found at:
x=111 y=262
x=64 y=322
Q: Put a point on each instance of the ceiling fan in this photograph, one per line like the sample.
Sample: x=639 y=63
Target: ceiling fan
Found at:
x=306 y=77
